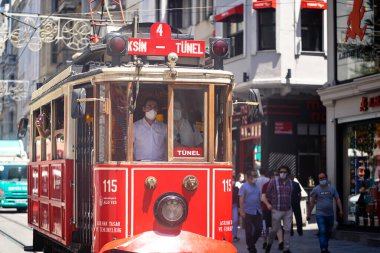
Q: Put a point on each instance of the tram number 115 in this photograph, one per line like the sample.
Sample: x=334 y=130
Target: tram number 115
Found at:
x=110 y=185
x=227 y=185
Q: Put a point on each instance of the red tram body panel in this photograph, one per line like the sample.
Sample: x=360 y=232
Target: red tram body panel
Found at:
x=50 y=198
x=135 y=201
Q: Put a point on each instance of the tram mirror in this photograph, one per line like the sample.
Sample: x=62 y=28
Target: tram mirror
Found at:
x=22 y=128
x=78 y=109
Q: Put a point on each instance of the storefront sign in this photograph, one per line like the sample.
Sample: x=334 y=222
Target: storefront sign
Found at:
x=250 y=131
x=367 y=103
x=283 y=127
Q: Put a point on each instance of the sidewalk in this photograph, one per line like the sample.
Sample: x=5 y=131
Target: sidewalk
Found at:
x=308 y=243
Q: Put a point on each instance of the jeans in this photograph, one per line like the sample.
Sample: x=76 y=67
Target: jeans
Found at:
x=325 y=225
x=235 y=219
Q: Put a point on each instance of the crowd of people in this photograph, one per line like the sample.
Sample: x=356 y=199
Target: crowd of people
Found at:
x=267 y=204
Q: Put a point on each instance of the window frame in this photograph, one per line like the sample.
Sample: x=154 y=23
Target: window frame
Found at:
x=171 y=90
x=261 y=30
x=236 y=34
x=312 y=27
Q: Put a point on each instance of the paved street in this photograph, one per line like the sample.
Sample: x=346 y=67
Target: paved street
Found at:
x=308 y=243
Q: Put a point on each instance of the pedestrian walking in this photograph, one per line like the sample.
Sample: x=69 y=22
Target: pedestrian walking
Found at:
x=250 y=210
x=278 y=200
x=235 y=205
x=323 y=196
x=267 y=218
x=296 y=206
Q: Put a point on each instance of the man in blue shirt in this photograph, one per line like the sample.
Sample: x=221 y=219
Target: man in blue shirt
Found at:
x=323 y=195
x=250 y=210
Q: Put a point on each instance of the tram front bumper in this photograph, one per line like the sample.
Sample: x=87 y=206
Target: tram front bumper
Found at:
x=183 y=242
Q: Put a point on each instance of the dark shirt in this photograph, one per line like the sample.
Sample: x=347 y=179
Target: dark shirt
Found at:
x=296 y=193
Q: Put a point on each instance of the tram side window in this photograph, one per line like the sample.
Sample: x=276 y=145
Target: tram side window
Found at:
x=220 y=131
x=58 y=126
x=119 y=121
x=150 y=131
x=188 y=123
x=42 y=139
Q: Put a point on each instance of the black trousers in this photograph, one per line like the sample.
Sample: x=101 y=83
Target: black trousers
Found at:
x=253 y=228
x=298 y=216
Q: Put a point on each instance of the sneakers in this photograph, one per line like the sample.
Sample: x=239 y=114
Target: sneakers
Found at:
x=236 y=239
x=325 y=251
x=281 y=246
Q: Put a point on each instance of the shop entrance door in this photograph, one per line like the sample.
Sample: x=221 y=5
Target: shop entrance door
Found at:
x=308 y=166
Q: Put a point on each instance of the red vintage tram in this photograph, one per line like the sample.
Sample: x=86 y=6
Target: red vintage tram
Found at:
x=88 y=192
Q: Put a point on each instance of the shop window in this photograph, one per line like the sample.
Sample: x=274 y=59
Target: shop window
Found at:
x=361 y=173
x=266 y=29
x=312 y=29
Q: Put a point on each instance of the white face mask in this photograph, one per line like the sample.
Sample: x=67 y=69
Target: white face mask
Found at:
x=151 y=114
x=177 y=114
x=283 y=175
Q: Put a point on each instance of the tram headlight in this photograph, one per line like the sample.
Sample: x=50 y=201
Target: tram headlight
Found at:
x=170 y=209
x=219 y=49
x=116 y=47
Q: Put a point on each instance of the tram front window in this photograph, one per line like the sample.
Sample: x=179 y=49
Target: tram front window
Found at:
x=150 y=127
x=188 y=126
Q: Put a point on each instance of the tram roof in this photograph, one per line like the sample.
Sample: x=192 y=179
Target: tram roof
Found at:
x=129 y=73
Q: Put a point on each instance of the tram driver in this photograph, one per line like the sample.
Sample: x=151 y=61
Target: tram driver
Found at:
x=149 y=135
x=185 y=133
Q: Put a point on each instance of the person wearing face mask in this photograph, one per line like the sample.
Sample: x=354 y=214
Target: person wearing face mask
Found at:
x=278 y=200
x=185 y=134
x=149 y=135
x=250 y=210
x=323 y=196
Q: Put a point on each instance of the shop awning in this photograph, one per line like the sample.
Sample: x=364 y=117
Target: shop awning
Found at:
x=319 y=5
x=264 y=4
x=233 y=15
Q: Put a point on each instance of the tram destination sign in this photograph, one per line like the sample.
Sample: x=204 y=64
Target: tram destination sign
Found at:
x=161 y=43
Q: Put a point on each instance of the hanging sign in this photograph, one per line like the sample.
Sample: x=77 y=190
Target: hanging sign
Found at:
x=161 y=43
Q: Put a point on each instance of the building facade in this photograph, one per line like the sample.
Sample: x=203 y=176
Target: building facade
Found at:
x=352 y=101
x=281 y=49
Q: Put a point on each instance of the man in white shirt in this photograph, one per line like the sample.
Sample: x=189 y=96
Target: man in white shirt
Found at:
x=149 y=135
x=185 y=134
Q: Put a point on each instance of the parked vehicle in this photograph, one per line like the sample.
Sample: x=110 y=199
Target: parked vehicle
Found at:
x=13 y=179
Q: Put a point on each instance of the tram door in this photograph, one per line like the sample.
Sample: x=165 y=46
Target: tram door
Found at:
x=83 y=163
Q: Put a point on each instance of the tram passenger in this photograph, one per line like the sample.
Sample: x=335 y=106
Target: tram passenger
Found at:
x=149 y=135
x=43 y=125
x=185 y=133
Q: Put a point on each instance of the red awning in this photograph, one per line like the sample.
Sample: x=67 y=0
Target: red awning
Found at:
x=233 y=15
x=319 y=5
x=264 y=4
